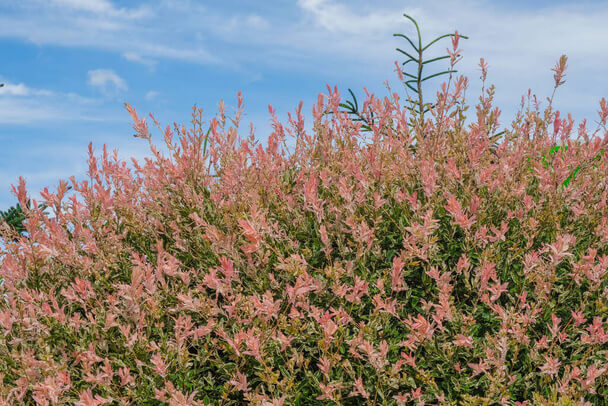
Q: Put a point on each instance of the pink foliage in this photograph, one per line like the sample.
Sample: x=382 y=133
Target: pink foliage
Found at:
x=420 y=265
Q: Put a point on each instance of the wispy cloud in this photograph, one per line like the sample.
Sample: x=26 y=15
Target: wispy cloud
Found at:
x=137 y=58
x=152 y=94
x=258 y=22
x=99 y=8
x=140 y=33
x=337 y=17
x=354 y=30
x=19 y=89
x=520 y=42
x=17 y=111
x=347 y=41
x=25 y=105
x=96 y=6
x=106 y=81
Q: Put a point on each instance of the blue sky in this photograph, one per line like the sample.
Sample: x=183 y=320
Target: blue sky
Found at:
x=68 y=65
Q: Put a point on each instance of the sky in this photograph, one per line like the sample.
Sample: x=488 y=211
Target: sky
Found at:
x=69 y=65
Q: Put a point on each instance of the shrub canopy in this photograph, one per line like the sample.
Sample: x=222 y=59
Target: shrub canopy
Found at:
x=410 y=264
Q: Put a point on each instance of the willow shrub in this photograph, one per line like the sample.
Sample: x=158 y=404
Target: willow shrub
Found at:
x=415 y=265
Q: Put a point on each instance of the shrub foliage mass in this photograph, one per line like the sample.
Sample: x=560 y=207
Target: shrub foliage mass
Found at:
x=419 y=262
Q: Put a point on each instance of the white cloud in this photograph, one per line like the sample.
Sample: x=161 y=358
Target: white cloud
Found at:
x=107 y=81
x=141 y=33
x=151 y=95
x=199 y=55
x=258 y=22
x=241 y=25
x=348 y=41
x=521 y=43
x=137 y=58
x=14 y=90
x=346 y=31
x=95 y=6
x=37 y=110
x=100 y=8
x=19 y=111
x=21 y=104
x=337 y=17
x=20 y=89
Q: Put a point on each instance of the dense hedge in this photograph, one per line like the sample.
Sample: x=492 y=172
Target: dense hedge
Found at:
x=411 y=264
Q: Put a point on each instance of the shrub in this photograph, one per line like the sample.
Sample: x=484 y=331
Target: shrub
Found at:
x=411 y=264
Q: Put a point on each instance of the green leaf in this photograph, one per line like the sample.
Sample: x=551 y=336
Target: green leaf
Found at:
x=441 y=37
x=354 y=99
x=436 y=59
x=408 y=40
x=417 y=29
x=437 y=74
x=407 y=54
x=411 y=87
